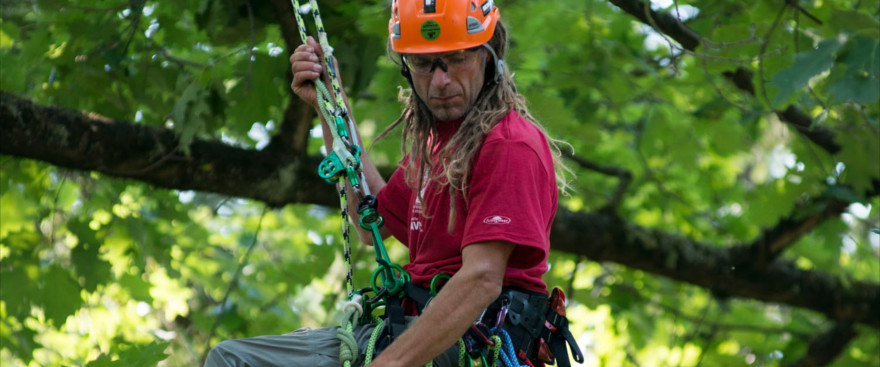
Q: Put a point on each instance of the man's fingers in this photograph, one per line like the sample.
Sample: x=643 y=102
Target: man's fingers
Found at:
x=316 y=48
x=304 y=76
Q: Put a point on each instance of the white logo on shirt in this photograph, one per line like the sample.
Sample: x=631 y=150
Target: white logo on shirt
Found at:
x=497 y=219
x=415 y=221
x=415 y=224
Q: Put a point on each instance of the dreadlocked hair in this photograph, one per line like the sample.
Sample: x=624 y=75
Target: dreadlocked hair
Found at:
x=494 y=101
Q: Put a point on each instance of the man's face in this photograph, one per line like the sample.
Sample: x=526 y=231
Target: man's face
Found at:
x=448 y=82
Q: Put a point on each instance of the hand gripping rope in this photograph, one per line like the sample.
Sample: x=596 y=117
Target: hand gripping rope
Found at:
x=343 y=166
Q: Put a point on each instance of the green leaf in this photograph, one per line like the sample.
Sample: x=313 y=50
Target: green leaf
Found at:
x=851 y=20
x=17 y=212
x=134 y=356
x=86 y=256
x=187 y=113
x=19 y=341
x=861 y=82
x=89 y=265
x=61 y=295
x=843 y=193
x=859 y=154
x=103 y=360
x=807 y=64
x=137 y=287
x=19 y=286
x=144 y=355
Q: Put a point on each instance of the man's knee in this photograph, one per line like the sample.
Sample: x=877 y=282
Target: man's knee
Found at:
x=224 y=355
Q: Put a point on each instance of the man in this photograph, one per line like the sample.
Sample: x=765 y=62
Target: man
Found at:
x=474 y=196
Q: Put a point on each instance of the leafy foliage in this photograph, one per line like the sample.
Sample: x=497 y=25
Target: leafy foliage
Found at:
x=98 y=271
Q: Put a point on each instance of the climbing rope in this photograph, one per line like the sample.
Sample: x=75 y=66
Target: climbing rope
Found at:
x=340 y=159
x=508 y=355
x=342 y=167
x=348 y=348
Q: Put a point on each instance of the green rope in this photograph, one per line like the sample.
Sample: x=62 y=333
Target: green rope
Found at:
x=462 y=354
x=371 y=345
x=496 y=349
x=348 y=348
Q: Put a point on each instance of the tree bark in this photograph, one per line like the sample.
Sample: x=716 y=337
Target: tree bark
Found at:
x=89 y=142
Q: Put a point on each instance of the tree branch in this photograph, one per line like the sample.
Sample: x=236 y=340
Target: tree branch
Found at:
x=825 y=347
x=624 y=176
x=603 y=236
x=772 y=242
x=666 y=23
x=89 y=142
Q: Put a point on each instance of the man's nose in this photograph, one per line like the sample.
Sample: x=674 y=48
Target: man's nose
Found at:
x=439 y=77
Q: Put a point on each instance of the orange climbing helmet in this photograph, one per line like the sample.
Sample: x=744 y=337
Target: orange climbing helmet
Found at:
x=427 y=26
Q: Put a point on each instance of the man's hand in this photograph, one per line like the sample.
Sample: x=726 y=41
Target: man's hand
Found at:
x=306 y=66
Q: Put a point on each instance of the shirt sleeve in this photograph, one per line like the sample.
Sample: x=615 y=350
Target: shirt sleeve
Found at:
x=393 y=205
x=510 y=198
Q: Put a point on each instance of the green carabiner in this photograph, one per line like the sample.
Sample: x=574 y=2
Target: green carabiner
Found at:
x=340 y=127
x=395 y=284
x=434 y=282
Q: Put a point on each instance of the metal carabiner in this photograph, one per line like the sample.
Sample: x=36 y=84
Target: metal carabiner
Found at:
x=502 y=313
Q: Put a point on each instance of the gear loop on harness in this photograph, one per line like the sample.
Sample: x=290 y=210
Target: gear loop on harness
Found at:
x=434 y=286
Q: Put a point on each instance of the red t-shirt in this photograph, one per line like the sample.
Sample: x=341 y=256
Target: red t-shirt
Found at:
x=512 y=197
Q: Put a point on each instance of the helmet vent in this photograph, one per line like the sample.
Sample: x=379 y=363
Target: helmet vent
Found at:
x=431 y=6
x=487 y=7
x=474 y=25
x=395 y=31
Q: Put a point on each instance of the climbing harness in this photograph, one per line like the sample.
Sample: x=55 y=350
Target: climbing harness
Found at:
x=482 y=345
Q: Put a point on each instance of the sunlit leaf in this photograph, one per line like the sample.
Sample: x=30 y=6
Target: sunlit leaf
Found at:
x=807 y=64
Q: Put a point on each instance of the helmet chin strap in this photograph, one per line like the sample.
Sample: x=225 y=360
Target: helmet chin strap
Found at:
x=499 y=64
x=404 y=70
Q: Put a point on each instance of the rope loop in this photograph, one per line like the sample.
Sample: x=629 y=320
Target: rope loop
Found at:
x=354 y=308
x=348 y=348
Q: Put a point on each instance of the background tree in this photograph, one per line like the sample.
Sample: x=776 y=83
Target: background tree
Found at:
x=158 y=190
